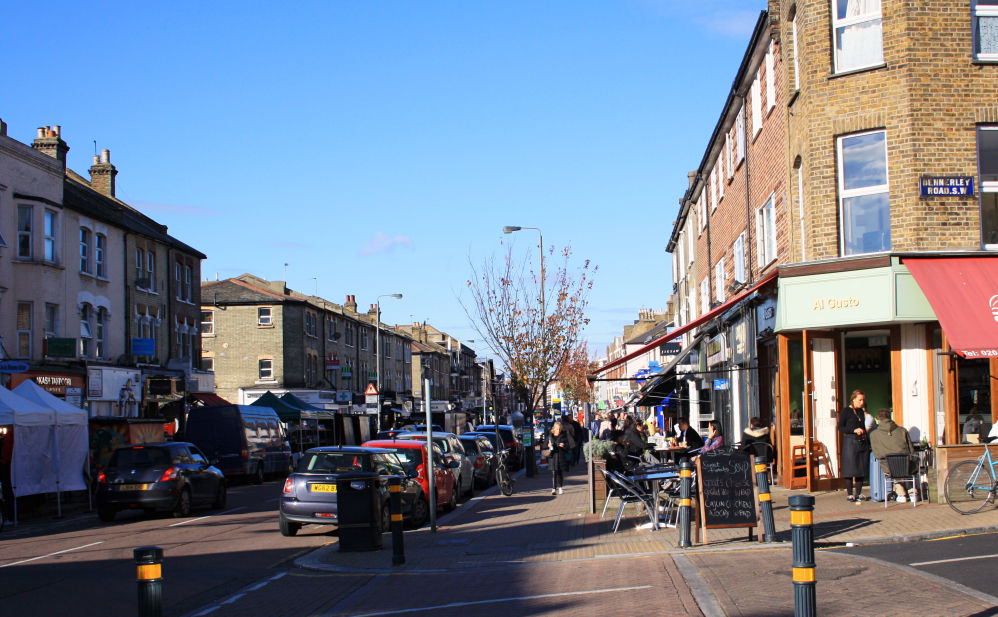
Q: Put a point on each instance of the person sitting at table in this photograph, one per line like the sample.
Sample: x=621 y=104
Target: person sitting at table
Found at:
x=657 y=438
x=756 y=433
x=715 y=437
x=688 y=435
x=618 y=459
x=889 y=438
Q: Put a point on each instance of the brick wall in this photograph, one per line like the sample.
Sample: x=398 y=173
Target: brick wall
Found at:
x=239 y=343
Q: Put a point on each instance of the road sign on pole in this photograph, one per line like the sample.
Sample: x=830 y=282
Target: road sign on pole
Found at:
x=371 y=395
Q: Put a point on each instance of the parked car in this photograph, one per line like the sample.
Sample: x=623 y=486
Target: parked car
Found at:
x=391 y=433
x=450 y=447
x=421 y=428
x=310 y=492
x=510 y=441
x=412 y=455
x=246 y=440
x=174 y=475
x=483 y=457
x=541 y=430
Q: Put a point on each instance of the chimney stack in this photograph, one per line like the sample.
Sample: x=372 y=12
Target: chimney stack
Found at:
x=351 y=304
x=693 y=177
x=3 y=128
x=49 y=141
x=102 y=174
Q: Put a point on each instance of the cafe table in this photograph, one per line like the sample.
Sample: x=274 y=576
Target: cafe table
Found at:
x=655 y=477
x=672 y=452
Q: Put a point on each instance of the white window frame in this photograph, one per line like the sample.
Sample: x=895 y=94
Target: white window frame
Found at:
x=25 y=233
x=265 y=372
x=793 y=25
x=691 y=238
x=140 y=263
x=151 y=269
x=188 y=291
x=867 y=190
x=800 y=210
x=208 y=326
x=720 y=175
x=26 y=334
x=729 y=157
x=756 y=96
x=705 y=296
x=86 y=330
x=765 y=232
x=208 y=359
x=701 y=218
x=740 y=136
x=264 y=320
x=986 y=10
x=3 y=243
x=851 y=21
x=100 y=255
x=50 y=228
x=719 y=293
x=738 y=250
x=86 y=236
x=52 y=331
x=713 y=190
x=770 y=77
x=681 y=262
x=179 y=281
x=100 y=332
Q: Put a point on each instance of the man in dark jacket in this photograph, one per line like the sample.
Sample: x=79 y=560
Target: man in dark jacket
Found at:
x=618 y=459
x=689 y=435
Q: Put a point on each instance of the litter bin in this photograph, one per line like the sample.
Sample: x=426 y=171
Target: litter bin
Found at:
x=358 y=505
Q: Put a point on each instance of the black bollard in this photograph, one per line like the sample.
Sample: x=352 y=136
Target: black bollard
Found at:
x=801 y=525
x=149 y=576
x=398 y=548
x=765 y=500
x=685 y=502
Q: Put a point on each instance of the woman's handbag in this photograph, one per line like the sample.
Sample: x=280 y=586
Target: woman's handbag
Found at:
x=546 y=453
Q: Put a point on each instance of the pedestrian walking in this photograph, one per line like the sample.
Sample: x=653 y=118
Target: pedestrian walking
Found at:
x=855 y=446
x=558 y=461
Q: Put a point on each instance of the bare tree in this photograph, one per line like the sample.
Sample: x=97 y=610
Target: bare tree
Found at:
x=532 y=341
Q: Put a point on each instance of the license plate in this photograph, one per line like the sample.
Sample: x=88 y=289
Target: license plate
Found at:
x=133 y=487
x=323 y=488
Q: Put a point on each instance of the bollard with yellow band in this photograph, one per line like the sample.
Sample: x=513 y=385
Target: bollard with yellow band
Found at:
x=801 y=526
x=149 y=576
x=685 y=502
x=765 y=500
x=398 y=548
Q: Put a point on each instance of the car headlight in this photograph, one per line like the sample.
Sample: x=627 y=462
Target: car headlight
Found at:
x=358 y=485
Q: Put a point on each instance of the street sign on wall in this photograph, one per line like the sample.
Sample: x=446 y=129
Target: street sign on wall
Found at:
x=143 y=347
x=946 y=186
x=12 y=366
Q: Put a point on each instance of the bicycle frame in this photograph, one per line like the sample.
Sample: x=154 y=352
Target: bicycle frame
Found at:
x=972 y=482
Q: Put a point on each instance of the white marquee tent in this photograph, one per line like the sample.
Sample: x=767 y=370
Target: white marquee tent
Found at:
x=70 y=443
x=33 y=432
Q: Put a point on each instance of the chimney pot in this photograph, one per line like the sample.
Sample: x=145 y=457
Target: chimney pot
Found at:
x=96 y=159
x=41 y=132
x=57 y=130
x=105 y=156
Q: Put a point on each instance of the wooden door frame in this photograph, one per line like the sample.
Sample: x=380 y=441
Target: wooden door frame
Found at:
x=930 y=373
x=784 y=466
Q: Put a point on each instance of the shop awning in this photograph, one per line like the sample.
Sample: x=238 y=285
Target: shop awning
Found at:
x=696 y=323
x=208 y=398
x=660 y=385
x=963 y=292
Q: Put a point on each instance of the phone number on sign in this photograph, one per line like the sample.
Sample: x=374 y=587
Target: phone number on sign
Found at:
x=984 y=353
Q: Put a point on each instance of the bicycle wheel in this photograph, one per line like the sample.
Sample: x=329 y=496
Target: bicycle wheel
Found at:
x=969 y=485
x=505 y=481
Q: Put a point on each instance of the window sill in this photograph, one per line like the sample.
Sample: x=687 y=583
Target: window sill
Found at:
x=984 y=61
x=265 y=381
x=87 y=274
x=35 y=262
x=756 y=136
x=148 y=291
x=793 y=98
x=266 y=326
x=864 y=69
x=203 y=335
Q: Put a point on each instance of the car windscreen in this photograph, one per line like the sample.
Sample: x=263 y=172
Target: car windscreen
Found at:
x=333 y=462
x=440 y=442
x=470 y=446
x=140 y=457
x=410 y=458
x=491 y=437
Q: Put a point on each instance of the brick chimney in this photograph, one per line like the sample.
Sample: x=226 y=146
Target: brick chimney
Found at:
x=351 y=304
x=102 y=174
x=372 y=312
x=49 y=141
x=3 y=128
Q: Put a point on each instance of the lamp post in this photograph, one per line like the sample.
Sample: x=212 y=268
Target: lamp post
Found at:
x=377 y=352
x=540 y=246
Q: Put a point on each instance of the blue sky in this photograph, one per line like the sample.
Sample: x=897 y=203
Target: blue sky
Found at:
x=375 y=145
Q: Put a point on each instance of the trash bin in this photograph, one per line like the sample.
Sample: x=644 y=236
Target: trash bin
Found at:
x=358 y=505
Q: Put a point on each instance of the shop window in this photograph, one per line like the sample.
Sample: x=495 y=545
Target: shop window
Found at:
x=974 y=398
x=264 y=316
x=795 y=375
x=24 y=232
x=858 y=34
x=986 y=29
x=24 y=331
x=50 y=231
x=987 y=156
x=100 y=256
x=864 y=193
x=84 y=250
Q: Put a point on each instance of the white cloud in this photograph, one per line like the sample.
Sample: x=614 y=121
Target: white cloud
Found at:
x=382 y=243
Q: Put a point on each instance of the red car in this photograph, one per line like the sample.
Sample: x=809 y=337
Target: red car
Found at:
x=412 y=454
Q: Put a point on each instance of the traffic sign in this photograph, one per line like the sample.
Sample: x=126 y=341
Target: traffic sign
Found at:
x=372 y=390
x=371 y=395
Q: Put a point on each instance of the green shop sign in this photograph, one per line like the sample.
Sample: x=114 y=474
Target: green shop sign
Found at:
x=871 y=296
x=59 y=347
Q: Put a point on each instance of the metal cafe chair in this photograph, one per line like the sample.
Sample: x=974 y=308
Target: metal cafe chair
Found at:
x=633 y=494
x=902 y=468
x=612 y=489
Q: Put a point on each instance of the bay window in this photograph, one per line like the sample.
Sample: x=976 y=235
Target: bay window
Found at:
x=864 y=193
x=858 y=29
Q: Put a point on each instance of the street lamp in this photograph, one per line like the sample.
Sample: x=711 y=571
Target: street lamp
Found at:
x=540 y=245
x=377 y=351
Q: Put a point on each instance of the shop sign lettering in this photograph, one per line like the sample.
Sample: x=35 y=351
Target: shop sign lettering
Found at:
x=834 y=303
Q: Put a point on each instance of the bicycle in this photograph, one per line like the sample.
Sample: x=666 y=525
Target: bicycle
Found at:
x=971 y=484
x=503 y=479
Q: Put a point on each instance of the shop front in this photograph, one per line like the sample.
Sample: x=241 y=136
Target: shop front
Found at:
x=62 y=383
x=114 y=391
x=868 y=324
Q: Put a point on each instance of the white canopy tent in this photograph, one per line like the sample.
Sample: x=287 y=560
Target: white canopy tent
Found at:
x=70 y=444
x=31 y=463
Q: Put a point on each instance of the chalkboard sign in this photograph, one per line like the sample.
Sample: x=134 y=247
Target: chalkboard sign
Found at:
x=727 y=490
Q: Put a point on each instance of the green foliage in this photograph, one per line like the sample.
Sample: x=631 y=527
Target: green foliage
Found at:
x=599 y=449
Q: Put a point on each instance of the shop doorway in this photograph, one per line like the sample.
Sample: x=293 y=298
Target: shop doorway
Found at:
x=866 y=364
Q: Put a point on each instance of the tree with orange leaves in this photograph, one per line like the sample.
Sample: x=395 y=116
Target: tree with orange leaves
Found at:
x=573 y=375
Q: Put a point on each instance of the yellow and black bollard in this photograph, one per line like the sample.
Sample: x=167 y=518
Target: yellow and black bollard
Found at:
x=149 y=576
x=765 y=500
x=801 y=525
x=398 y=548
x=685 y=502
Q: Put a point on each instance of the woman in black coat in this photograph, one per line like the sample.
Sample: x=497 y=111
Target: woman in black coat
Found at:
x=855 y=446
x=558 y=461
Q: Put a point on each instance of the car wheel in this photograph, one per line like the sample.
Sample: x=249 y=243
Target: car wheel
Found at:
x=258 y=476
x=420 y=513
x=450 y=507
x=106 y=513
x=183 y=506
x=289 y=529
x=386 y=519
x=220 y=497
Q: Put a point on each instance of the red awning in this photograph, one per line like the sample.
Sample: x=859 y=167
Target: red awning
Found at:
x=963 y=292
x=696 y=323
x=209 y=399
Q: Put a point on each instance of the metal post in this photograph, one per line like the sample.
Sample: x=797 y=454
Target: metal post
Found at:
x=591 y=463
x=765 y=500
x=398 y=548
x=430 y=465
x=801 y=521
x=377 y=364
x=149 y=576
x=685 y=502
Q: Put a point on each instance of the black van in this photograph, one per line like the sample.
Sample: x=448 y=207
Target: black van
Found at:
x=244 y=440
